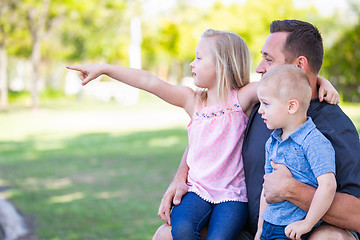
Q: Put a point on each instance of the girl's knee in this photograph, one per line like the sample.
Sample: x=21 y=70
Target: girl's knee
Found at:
x=184 y=230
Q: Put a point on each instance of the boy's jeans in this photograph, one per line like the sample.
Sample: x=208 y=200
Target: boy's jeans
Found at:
x=271 y=231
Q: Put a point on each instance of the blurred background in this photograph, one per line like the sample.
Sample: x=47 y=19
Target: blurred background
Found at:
x=93 y=162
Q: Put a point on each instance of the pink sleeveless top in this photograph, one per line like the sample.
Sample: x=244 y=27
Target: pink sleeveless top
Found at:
x=215 y=163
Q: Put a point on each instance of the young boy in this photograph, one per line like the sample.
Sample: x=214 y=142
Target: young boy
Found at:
x=285 y=95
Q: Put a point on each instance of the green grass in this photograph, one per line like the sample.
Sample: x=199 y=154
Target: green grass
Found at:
x=88 y=170
x=91 y=171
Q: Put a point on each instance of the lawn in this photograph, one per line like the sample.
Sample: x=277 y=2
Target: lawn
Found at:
x=90 y=170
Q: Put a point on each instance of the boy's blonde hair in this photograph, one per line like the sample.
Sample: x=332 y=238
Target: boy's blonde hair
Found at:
x=232 y=61
x=287 y=82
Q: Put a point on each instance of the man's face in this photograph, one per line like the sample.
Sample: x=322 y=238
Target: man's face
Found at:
x=272 y=55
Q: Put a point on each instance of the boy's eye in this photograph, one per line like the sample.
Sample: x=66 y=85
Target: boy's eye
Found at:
x=268 y=59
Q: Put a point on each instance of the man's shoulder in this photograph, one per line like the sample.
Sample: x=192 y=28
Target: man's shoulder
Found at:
x=330 y=118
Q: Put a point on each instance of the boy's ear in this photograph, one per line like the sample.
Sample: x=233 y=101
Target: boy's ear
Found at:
x=302 y=63
x=293 y=106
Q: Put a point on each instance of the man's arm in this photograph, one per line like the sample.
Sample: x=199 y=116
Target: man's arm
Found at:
x=176 y=190
x=279 y=186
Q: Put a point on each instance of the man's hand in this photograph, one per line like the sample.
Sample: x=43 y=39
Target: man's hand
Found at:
x=173 y=195
x=276 y=183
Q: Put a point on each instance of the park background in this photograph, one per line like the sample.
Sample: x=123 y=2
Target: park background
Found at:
x=93 y=162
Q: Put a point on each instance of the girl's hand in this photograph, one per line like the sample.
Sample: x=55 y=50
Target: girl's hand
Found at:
x=327 y=91
x=88 y=72
x=172 y=196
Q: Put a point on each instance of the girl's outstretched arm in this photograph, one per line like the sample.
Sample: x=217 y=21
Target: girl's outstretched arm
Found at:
x=180 y=96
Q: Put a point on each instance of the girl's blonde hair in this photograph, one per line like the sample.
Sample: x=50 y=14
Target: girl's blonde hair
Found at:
x=232 y=61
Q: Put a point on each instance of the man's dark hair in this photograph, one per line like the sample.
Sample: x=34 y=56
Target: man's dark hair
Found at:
x=304 y=39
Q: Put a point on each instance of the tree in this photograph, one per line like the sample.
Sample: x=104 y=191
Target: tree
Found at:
x=38 y=24
x=94 y=30
x=8 y=17
x=172 y=37
x=341 y=62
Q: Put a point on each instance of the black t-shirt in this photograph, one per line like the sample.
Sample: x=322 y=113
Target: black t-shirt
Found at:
x=333 y=123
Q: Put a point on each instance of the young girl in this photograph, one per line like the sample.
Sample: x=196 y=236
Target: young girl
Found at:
x=219 y=114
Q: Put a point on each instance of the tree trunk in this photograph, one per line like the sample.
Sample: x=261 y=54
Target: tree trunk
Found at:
x=37 y=19
x=35 y=61
x=3 y=77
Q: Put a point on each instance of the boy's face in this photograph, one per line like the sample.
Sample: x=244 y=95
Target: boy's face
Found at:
x=273 y=109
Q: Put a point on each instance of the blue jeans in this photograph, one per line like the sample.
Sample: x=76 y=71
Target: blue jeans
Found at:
x=273 y=232
x=225 y=219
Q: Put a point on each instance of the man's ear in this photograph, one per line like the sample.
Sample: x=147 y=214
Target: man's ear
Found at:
x=302 y=63
x=293 y=106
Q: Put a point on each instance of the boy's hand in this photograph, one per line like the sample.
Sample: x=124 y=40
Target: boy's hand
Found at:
x=296 y=229
x=87 y=72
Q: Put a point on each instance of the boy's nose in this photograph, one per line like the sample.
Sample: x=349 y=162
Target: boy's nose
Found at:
x=260 y=111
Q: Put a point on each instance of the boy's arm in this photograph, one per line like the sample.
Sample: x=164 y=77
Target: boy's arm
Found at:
x=320 y=203
x=322 y=199
x=176 y=190
x=327 y=91
x=180 y=96
x=280 y=185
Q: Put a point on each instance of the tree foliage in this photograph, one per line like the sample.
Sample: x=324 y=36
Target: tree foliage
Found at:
x=341 y=61
x=82 y=31
x=342 y=64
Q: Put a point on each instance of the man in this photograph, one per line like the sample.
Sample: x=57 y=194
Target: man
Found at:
x=298 y=43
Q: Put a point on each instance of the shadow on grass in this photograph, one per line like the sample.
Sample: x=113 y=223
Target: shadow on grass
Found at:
x=92 y=186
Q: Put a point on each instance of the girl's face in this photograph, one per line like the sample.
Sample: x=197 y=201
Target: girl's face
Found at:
x=204 y=66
